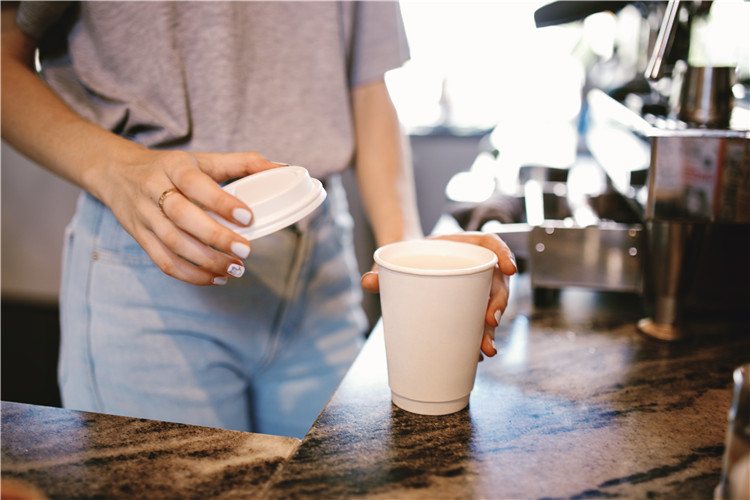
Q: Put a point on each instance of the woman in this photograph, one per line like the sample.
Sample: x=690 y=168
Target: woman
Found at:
x=150 y=107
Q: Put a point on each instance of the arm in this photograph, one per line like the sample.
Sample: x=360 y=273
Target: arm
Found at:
x=387 y=185
x=183 y=240
x=383 y=166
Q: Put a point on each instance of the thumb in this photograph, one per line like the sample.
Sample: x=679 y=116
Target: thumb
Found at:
x=223 y=167
x=370 y=281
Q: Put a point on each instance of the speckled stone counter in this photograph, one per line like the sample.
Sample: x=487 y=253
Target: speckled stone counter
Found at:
x=68 y=454
x=577 y=404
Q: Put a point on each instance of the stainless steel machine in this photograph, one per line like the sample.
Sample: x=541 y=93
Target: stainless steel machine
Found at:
x=659 y=207
x=695 y=214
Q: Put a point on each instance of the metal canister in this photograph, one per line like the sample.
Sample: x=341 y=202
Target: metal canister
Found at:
x=706 y=97
x=735 y=475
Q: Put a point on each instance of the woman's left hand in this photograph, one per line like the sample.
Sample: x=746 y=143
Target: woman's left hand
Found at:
x=499 y=291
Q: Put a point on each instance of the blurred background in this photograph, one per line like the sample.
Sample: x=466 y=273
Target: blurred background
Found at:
x=492 y=88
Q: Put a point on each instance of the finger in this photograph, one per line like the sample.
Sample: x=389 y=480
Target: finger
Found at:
x=371 y=282
x=196 y=222
x=173 y=265
x=488 y=341
x=499 y=294
x=505 y=259
x=192 y=249
x=201 y=188
x=222 y=167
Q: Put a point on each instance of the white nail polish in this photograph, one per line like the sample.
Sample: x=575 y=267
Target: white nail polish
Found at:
x=236 y=270
x=240 y=249
x=498 y=316
x=242 y=215
x=220 y=280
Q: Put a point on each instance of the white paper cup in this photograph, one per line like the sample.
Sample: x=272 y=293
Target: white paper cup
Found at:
x=433 y=295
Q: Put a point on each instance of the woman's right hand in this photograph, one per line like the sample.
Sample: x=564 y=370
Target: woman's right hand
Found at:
x=179 y=236
x=184 y=241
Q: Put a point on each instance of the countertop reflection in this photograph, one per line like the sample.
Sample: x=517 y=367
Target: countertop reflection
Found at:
x=577 y=404
x=68 y=454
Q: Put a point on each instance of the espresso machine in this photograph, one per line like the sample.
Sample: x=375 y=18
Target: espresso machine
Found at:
x=696 y=212
x=661 y=207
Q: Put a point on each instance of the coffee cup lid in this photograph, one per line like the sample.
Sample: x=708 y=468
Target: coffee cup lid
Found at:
x=278 y=198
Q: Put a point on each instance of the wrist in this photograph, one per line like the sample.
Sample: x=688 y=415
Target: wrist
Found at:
x=103 y=168
x=392 y=235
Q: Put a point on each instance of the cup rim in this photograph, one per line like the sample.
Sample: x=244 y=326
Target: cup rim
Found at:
x=433 y=246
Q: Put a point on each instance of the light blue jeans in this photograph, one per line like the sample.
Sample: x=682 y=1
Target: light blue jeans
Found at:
x=262 y=353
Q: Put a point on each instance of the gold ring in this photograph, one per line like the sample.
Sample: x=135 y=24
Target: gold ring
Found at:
x=164 y=197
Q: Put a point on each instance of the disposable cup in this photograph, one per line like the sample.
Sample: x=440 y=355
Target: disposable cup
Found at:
x=433 y=296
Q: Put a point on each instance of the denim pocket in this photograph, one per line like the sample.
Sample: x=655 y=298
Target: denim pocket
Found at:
x=116 y=246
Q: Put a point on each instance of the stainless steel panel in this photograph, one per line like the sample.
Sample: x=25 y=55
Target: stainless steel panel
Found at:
x=606 y=257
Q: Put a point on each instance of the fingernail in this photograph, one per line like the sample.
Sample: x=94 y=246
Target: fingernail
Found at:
x=280 y=164
x=498 y=316
x=236 y=270
x=515 y=266
x=492 y=341
x=220 y=280
x=242 y=215
x=241 y=250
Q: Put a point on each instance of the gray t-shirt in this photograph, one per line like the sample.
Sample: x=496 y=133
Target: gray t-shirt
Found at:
x=272 y=77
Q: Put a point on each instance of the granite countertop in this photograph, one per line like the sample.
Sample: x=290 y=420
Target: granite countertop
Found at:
x=70 y=454
x=577 y=404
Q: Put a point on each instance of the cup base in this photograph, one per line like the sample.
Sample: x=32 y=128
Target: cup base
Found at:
x=430 y=408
